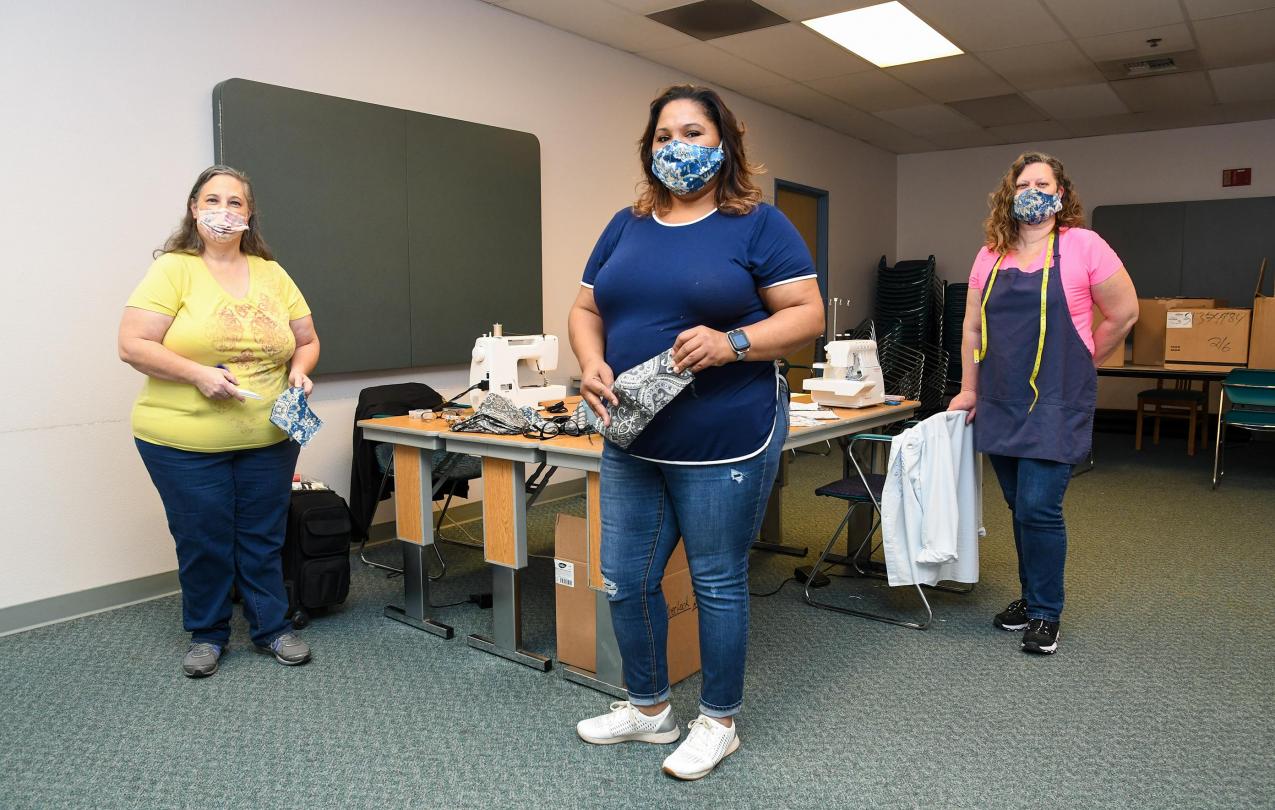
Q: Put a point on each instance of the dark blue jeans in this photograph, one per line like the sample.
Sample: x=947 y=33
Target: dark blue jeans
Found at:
x=227 y=513
x=1034 y=490
x=716 y=509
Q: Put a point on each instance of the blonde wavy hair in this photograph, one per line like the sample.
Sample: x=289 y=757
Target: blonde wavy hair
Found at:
x=1001 y=229
x=736 y=193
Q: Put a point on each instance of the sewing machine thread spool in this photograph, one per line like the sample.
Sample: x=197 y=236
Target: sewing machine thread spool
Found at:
x=497 y=330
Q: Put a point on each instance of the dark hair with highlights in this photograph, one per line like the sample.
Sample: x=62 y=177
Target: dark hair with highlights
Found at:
x=736 y=193
x=1000 y=227
x=186 y=238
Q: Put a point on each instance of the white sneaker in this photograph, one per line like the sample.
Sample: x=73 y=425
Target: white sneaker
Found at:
x=707 y=743
x=624 y=723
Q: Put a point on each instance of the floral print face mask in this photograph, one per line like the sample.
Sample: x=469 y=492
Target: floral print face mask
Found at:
x=222 y=224
x=686 y=167
x=1034 y=206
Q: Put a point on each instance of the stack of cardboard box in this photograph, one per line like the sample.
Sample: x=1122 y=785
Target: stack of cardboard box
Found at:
x=1261 y=349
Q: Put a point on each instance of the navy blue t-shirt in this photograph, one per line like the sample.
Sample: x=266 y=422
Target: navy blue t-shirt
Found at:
x=653 y=281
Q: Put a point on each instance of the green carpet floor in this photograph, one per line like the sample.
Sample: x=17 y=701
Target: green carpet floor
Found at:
x=1160 y=695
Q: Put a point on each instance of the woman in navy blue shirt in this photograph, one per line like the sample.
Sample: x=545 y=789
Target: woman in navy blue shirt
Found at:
x=701 y=266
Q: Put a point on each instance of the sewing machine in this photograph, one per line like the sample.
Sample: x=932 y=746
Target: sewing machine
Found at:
x=851 y=376
x=515 y=366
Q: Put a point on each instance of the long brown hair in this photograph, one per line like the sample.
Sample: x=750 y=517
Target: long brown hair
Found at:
x=186 y=238
x=1000 y=227
x=736 y=193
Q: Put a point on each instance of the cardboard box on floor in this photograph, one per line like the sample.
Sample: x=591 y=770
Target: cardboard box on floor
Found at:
x=1218 y=336
x=1261 y=346
x=1116 y=359
x=577 y=605
x=1148 y=332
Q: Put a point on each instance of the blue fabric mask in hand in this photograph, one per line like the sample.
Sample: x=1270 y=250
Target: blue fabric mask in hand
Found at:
x=686 y=167
x=292 y=415
x=1034 y=206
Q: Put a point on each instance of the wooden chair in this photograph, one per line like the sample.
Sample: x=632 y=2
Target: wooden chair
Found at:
x=1181 y=401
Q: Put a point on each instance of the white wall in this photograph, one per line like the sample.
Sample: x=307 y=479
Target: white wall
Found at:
x=107 y=120
x=943 y=195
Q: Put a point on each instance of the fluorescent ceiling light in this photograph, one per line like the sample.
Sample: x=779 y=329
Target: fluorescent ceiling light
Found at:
x=885 y=35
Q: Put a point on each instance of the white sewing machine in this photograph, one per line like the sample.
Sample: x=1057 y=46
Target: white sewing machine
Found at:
x=851 y=376
x=515 y=367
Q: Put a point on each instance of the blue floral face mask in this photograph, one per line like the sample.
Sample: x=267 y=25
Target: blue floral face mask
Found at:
x=292 y=415
x=1034 y=206
x=686 y=167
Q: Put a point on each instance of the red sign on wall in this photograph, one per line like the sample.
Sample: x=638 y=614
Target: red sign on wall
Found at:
x=1237 y=177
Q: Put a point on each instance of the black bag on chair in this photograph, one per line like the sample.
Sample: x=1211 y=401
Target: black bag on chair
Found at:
x=316 y=553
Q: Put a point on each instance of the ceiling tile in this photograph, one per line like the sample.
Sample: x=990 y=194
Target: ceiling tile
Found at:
x=794 y=51
x=1038 y=131
x=952 y=78
x=1181 y=117
x=928 y=118
x=1090 y=18
x=997 y=111
x=871 y=90
x=1171 y=38
x=799 y=99
x=1242 y=39
x=963 y=140
x=809 y=9
x=1248 y=83
x=601 y=22
x=706 y=62
x=1246 y=111
x=1165 y=92
x=902 y=144
x=875 y=131
x=986 y=25
x=1105 y=125
x=1201 y=9
x=1082 y=101
x=647 y=6
x=1034 y=67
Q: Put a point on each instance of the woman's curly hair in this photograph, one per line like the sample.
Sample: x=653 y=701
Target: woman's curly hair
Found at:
x=1001 y=229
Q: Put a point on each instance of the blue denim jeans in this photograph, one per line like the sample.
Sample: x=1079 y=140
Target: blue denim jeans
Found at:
x=227 y=513
x=1034 y=490
x=716 y=509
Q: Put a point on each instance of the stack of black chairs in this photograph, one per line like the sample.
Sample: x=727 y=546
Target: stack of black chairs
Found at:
x=953 y=322
x=909 y=318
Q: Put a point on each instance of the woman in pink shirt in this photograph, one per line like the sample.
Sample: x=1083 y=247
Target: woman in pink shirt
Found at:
x=1029 y=360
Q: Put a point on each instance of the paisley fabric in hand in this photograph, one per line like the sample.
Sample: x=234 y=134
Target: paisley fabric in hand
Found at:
x=643 y=391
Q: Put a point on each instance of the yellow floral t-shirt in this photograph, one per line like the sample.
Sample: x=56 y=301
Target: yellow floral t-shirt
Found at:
x=250 y=336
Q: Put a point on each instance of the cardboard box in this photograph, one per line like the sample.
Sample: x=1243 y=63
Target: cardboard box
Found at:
x=1261 y=346
x=1148 y=332
x=1116 y=359
x=577 y=604
x=1217 y=336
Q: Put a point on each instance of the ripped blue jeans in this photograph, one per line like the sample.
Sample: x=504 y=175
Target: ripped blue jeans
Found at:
x=717 y=510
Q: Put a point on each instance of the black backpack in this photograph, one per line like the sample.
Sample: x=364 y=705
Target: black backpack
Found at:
x=316 y=553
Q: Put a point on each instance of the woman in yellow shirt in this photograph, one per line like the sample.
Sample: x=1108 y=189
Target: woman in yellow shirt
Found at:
x=220 y=330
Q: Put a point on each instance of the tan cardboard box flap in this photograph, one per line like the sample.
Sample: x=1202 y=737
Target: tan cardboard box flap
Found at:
x=1148 y=332
x=1207 y=336
x=1261 y=347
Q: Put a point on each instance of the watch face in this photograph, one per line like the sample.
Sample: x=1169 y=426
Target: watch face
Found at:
x=738 y=341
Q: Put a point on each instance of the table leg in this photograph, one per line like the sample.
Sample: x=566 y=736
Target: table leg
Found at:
x=772 y=526
x=413 y=512
x=505 y=547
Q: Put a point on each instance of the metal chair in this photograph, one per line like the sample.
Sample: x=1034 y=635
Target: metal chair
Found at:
x=1181 y=401
x=1252 y=395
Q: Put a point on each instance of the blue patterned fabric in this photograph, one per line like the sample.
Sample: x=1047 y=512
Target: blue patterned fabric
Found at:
x=292 y=415
x=1034 y=206
x=686 y=167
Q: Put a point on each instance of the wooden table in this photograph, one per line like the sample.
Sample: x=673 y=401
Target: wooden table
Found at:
x=505 y=519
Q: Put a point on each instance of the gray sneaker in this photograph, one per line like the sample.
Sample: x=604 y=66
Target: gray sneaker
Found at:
x=201 y=659
x=288 y=650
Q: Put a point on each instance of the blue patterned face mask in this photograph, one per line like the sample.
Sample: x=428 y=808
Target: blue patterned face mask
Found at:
x=1034 y=206
x=292 y=415
x=686 y=167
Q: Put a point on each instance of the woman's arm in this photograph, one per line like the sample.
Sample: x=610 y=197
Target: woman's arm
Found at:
x=306 y=354
x=796 y=319
x=141 y=345
x=584 y=330
x=971 y=341
x=1117 y=300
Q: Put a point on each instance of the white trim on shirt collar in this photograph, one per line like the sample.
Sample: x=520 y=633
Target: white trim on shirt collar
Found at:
x=656 y=217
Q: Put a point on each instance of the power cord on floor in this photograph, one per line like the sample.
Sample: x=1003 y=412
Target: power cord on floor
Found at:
x=777 y=589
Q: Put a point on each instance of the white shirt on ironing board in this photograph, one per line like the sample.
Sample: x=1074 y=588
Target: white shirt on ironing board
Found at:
x=931 y=504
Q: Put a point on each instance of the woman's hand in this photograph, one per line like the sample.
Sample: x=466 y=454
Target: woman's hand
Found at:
x=699 y=348
x=595 y=386
x=217 y=383
x=964 y=401
x=299 y=379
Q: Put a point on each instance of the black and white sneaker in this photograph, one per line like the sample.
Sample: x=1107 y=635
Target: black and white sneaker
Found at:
x=1013 y=617
x=1041 y=636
